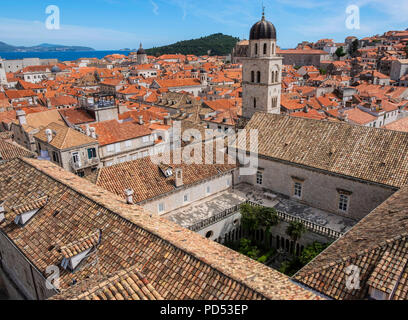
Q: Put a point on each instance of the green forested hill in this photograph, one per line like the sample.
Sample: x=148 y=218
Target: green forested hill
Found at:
x=218 y=43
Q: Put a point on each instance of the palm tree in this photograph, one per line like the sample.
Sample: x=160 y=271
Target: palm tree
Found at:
x=295 y=230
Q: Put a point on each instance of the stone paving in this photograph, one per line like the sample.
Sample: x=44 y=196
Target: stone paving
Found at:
x=205 y=208
x=293 y=207
x=213 y=205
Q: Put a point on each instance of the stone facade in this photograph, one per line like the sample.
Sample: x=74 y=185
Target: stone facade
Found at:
x=176 y=200
x=320 y=189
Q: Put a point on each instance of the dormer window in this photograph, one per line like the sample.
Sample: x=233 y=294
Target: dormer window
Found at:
x=377 y=294
x=2 y=212
x=25 y=212
x=76 y=252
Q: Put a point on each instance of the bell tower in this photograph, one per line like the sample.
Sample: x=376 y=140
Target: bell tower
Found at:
x=262 y=71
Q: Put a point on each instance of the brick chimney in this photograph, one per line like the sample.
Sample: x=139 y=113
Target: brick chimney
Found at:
x=87 y=130
x=21 y=116
x=179 y=177
x=92 y=131
x=129 y=196
x=167 y=120
x=48 y=134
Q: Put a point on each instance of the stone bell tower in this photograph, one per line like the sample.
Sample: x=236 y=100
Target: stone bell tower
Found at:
x=262 y=71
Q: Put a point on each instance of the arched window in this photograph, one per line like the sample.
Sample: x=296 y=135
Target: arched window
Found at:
x=273 y=48
x=252 y=76
x=265 y=48
x=276 y=76
x=258 y=76
x=273 y=76
x=254 y=102
x=256 y=48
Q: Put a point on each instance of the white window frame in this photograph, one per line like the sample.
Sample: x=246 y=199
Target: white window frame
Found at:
x=259 y=177
x=297 y=189
x=186 y=198
x=160 y=207
x=344 y=202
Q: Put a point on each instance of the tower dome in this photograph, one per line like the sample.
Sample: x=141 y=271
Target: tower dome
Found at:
x=263 y=30
x=55 y=69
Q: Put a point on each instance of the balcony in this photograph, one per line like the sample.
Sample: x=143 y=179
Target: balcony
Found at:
x=79 y=165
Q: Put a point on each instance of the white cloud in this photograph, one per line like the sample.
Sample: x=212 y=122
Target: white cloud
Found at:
x=397 y=10
x=155 y=8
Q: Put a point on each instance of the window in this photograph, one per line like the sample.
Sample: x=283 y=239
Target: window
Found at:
x=145 y=139
x=343 y=202
x=75 y=157
x=258 y=76
x=298 y=189
x=252 y=76
x=161 y=207
x=228 y=182
x=208 y=189
x=110 y=148
x=377 y=294
x=256 y=48
x=209 y=234
x=259 y=177
x=91 y=153
x=185 y=198
x=254 y=102
x=117 y=147
x=264 y=48
x=128 y=143
x=122 y=159
x=55 y=157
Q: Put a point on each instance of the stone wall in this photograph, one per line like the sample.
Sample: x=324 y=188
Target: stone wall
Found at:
x=320 y=190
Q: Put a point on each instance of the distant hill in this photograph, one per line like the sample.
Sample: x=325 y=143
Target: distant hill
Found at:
x=218 y=44
x=44 y=47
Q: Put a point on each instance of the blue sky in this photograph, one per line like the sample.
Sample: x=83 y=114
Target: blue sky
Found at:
x=116 y=24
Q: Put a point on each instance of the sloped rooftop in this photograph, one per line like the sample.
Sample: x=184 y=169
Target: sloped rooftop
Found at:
x=178 y=263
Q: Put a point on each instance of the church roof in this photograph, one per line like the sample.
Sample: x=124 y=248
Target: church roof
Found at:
x=262 y=30
x=370 y=154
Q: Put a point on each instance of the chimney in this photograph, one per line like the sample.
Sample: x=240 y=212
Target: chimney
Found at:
x=2 y=211
x=21 y=116
x=167 y=120
x=306 y=109
x=48 y=134
x=87 y=130
x=129 y=196
x=179 y=177
x=92 y=131
x=140 y=119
